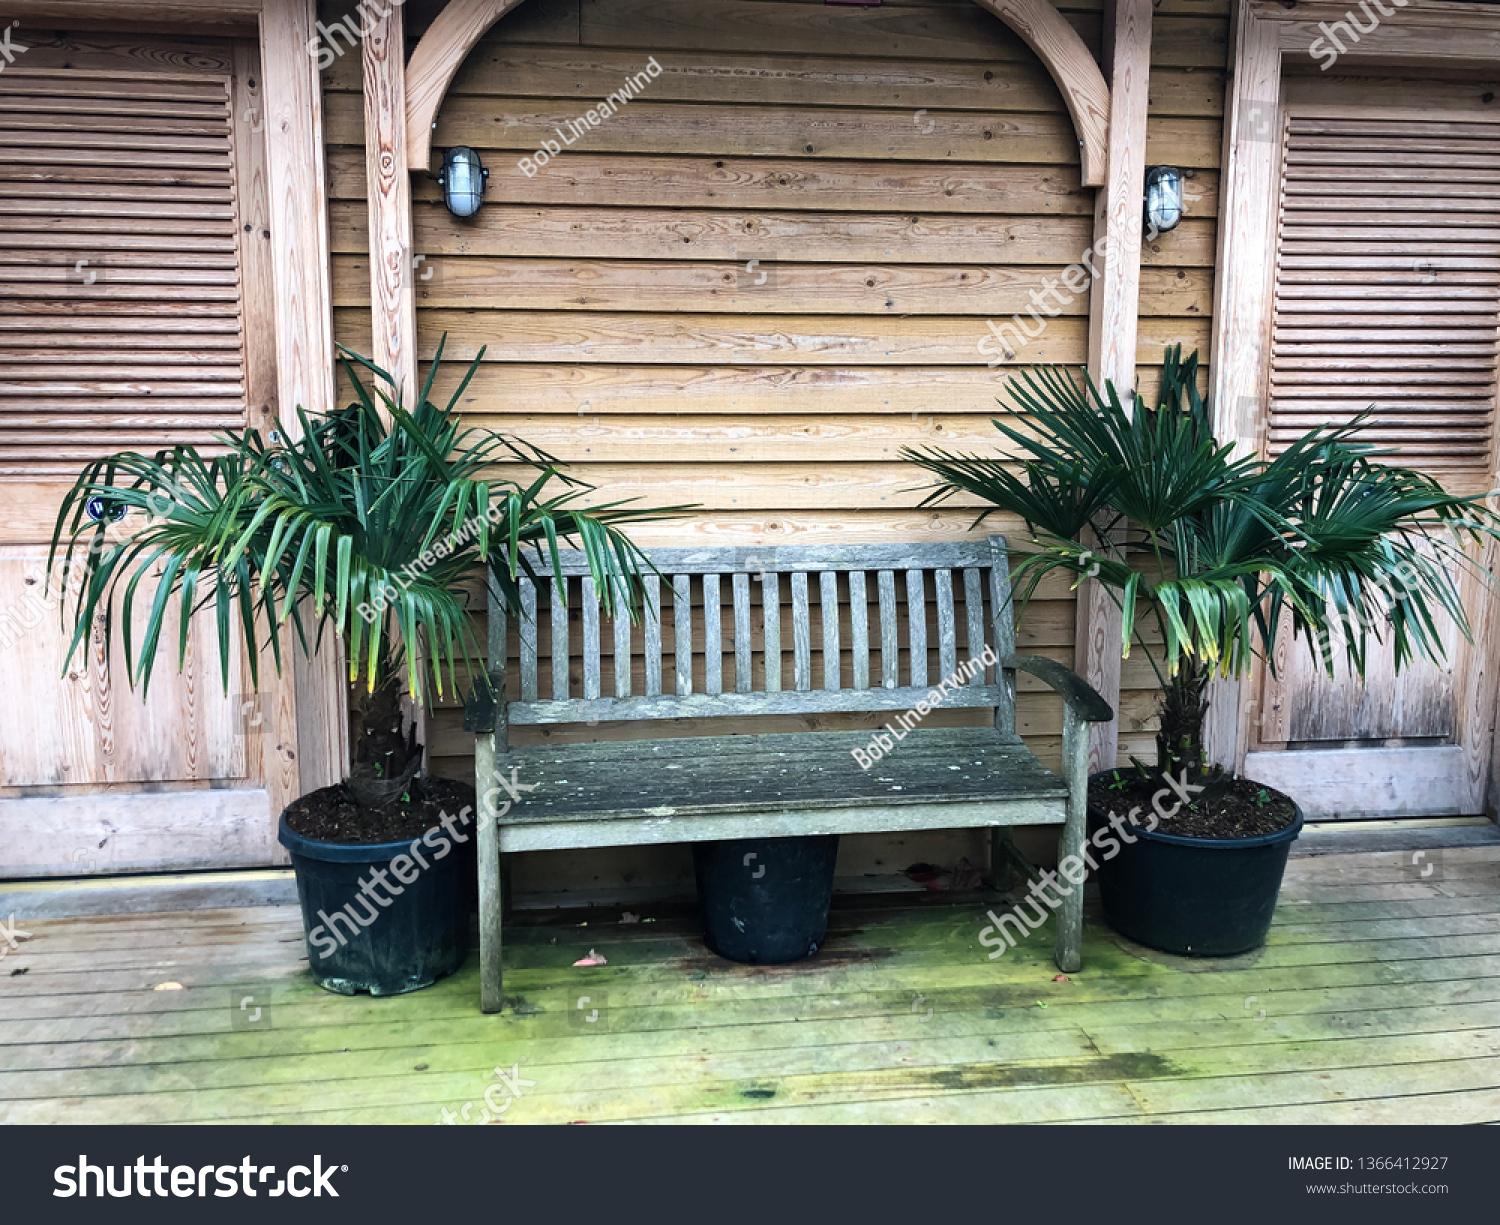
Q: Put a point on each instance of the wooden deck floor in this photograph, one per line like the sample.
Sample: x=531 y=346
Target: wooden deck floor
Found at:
x=1377 y=1000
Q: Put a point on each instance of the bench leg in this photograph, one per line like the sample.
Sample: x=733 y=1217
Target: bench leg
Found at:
x=1069 y=949
x=491 y=895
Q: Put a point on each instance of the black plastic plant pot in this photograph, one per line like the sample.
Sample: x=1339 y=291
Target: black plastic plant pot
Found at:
x=764 y=901
x=354 y=942
x=1198 y=897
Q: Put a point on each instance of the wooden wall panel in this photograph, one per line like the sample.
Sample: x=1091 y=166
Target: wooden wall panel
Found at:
x=903 y=175
x=91 y=728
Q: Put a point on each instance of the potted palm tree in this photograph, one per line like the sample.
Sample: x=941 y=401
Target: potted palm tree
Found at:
x=1215 y=553
x=372 y=523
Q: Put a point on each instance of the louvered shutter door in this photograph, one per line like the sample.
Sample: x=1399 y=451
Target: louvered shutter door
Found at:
x=120 y=297
x=1388 y=276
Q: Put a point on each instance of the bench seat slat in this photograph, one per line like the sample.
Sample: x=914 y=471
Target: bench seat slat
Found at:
x=771 y=622
x=1003 y=629
x=974 y=615
x=623 y=752
x=528 y=630
x=742 y=649
x=591 y=649
x=786 y=559
x=801 y=634
x=652 y=633
x=713 y=642
x=916 y=621
x=947 y=628
x=682 y=631
x=773 y=772
x=622 y=640
x=788 y=821
x=859 y=628
x=890 y=647
x=828 y=597
x=704 y=705
x=559 y=642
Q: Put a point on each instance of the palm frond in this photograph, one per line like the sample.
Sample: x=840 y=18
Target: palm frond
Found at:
x=371 y=523
x=1332 y=534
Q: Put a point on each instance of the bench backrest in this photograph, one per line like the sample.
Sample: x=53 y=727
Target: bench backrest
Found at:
x=783 y=603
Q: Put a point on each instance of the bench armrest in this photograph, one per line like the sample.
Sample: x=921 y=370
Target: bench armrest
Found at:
x=1082 y=698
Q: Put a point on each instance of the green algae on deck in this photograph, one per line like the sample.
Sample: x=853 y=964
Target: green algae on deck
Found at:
x=1371 y=994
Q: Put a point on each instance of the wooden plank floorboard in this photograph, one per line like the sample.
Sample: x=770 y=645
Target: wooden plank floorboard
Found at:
x=299 y=1007
x=538 y=1015
x=1028 y=1057
x=1377 y=996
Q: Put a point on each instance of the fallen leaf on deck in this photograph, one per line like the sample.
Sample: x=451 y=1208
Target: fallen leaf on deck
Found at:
x=1039 y=1004
x=593 y=959
x=1062 y=978
x=168 y=987
x=18 y=973
x=965 y=875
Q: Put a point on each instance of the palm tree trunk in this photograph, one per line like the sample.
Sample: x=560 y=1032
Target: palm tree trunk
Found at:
x=1184 y=706
x=387 y=756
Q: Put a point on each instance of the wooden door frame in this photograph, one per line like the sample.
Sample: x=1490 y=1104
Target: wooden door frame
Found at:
x=1423 y=35
x=312 y=697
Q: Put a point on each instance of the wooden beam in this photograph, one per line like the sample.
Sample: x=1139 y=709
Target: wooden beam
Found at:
x=1430 y=32
x=1113 y=319
x=436 y=59
x=1067 y=58
x=298 y=201
x=392 y=295
x=1477 y=683
x=1246 y=272
x=199 y=13
x=277 y=743
x=1434 y=13
x=1119 y=206
x=1437 y=44
x=392 y=299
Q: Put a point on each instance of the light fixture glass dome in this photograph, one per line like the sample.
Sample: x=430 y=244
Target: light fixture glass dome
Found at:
x=1164 y=204
x=463 y=178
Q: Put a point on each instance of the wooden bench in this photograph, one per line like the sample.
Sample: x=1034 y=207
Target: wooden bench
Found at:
x=739 y=785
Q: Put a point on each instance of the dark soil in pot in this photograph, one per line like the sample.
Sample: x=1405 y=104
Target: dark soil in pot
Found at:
x=332 y=815
x=1199 y=878
x=386 y=896
x=1224 y=808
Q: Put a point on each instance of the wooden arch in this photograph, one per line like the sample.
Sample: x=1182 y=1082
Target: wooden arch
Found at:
x=463 y=23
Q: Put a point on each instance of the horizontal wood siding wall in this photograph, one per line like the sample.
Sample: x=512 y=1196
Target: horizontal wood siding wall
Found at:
x=902 y=175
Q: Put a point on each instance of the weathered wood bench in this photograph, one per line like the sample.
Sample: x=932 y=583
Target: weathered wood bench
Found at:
x=749 y=785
